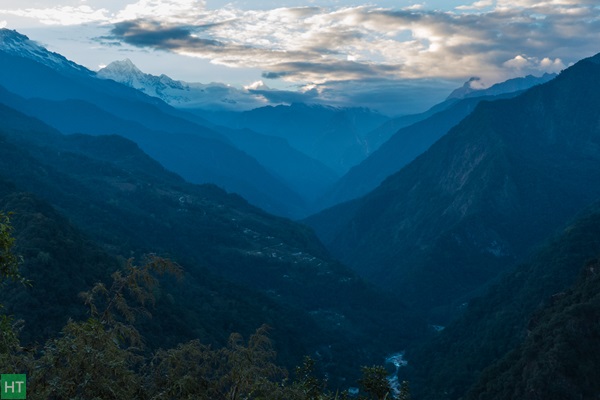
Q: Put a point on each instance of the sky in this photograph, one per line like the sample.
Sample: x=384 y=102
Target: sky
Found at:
x=397 y=56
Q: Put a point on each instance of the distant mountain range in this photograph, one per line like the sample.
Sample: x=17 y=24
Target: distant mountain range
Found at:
x=213 y=96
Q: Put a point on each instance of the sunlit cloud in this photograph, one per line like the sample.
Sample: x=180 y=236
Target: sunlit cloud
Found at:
x=314 y=44
x=168 y=11
x=477 y=5
x=67 y=15
x=524 y=63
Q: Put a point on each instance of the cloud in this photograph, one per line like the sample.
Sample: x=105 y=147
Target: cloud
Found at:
x=318 y=72
x=389 y=96
x=312 y=44
x=67 y=15
x=525 y=63
x=275 y=96
x=477 y=5
x=170 y=11
x=143 y=33
x=3 y=24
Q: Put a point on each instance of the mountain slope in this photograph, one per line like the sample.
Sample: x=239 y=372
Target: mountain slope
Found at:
x=75 y=101
x=558 y=360
x=410 y=141
x=131 y=205
x=383 y=133
x=306 y=176
x=495 y=323
x=403 y=147
x=334 y=136
x=480 y=198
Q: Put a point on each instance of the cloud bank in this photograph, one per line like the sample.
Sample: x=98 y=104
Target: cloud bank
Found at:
x=316 y=45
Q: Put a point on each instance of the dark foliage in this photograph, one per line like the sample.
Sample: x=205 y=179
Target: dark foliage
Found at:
x=494 y=324
x=559 y=358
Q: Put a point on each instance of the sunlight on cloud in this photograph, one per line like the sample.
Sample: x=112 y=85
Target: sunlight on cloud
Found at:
x=317 y=44
x=477 y=5
x=522 y=62
x=512 y=4
x=171 y=11
x=256 y=85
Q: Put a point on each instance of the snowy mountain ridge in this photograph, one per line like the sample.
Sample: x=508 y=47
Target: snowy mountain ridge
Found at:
x=215 y=96
x=17 y=44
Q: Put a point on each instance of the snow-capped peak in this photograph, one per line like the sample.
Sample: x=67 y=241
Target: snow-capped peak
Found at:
x=213 y=96
x=17 y=44
x=127 y=73
x=121 y=68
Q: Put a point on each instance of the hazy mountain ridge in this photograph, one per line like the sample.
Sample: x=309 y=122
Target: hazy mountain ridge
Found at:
x=332 y=135
x=495 y=185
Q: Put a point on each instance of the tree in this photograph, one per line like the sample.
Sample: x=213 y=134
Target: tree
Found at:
x=404 y=391
x=98 y=358
x=188 y=371
x=375 y=382
x=12 y=357
x=250 y=368
x=241 y=370
x=311 y=386
x=9 y=262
